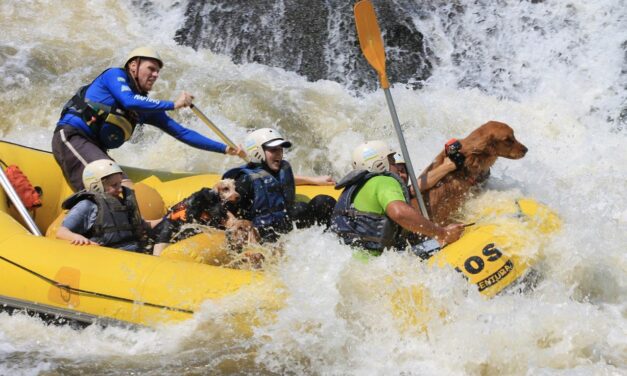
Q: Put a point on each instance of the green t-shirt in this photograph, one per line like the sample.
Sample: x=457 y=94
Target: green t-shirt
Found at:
x=377 y=193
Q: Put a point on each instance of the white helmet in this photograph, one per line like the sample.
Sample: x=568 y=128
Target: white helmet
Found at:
x=398 y=158
x=145 y=52
x=372 y=156
x=95 y=171
x=264 y=137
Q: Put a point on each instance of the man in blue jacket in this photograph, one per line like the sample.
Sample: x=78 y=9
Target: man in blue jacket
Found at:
x=104 y=114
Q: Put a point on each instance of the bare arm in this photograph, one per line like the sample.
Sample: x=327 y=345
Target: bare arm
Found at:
x=74 y=238
x=411 y=220
x=313 y=180
x=431 y=177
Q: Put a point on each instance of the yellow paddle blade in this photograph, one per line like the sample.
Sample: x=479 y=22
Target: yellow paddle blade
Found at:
x=370 y=39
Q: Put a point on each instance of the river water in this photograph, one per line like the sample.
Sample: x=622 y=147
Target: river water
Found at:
x=554 y=71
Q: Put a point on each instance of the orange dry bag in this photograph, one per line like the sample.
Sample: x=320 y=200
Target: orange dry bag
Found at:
x=30 y=196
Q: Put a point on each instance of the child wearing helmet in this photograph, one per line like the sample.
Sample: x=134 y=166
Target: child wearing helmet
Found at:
x=375 y=207
x=104 y=114
x=105 y=213
x=267 y=188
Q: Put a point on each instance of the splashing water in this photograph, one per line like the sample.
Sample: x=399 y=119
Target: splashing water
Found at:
x=553 y=71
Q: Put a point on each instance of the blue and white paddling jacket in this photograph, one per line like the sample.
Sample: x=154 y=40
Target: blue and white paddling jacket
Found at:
x=115 y=91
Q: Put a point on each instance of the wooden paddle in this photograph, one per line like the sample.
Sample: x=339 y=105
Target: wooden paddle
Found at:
x=371 y=44
x=214 y=128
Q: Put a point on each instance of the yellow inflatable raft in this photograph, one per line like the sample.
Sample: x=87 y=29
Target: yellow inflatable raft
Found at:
x=90 y=283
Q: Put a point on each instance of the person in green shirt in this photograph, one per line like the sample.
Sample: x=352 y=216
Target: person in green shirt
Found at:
x=375 y=207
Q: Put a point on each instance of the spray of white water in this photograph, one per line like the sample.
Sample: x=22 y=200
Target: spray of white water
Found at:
x=550 y=70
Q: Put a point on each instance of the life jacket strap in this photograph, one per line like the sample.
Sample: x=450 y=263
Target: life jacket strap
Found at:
x=96 y=114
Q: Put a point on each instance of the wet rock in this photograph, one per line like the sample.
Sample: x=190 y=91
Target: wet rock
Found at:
x=316 y=39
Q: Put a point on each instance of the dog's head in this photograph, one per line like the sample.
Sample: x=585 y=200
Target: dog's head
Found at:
x=226 y=190
x=496 y=139
x=488 y=142
x=240 y=232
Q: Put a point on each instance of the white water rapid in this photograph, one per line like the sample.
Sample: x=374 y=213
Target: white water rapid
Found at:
x=554 y=71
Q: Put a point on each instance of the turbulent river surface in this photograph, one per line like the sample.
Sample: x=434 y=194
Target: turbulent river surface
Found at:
x=554 y=70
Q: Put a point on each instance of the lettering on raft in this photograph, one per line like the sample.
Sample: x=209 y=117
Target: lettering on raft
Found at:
x=497 y=276
x=475 y=264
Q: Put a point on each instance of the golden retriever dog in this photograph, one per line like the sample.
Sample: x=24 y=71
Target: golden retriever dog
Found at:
x=479 y=151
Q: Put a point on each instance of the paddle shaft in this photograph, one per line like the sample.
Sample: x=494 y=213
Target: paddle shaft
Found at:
x=19 y=205
x=401 y=141
x=371 y=43
x=214 y=128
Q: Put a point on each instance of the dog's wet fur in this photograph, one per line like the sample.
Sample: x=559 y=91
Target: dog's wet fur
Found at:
x=481 y=148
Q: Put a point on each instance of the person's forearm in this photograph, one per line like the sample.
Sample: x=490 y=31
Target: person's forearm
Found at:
x=302 y=180
x=65 y=234
x=419 y=224
x=185 y=135
x=428 y=180
x=313 y=180
x=411 y=220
